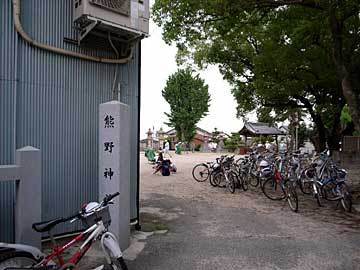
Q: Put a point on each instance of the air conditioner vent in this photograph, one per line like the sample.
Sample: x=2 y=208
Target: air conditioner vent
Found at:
x=118 y=6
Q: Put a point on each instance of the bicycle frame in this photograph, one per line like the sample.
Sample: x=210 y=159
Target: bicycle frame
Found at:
x=320 y=171
x=337 y=183
x=95 y=230
x=90 y=214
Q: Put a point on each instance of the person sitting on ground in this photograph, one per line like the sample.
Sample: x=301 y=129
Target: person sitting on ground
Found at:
x=160 y=156
x=165 y=167
x=159 y=160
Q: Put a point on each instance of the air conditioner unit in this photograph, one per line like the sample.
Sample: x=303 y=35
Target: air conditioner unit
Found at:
x=126 y=19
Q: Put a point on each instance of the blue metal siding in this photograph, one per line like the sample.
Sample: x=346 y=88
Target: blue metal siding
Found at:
x=7 y=118
x=57 y=99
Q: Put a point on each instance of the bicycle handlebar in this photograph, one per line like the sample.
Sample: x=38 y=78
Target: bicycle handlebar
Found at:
x=108 y=198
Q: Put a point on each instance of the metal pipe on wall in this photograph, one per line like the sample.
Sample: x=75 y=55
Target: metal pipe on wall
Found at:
x=19 y=28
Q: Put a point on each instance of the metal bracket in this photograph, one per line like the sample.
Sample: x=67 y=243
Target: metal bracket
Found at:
x=87 y=30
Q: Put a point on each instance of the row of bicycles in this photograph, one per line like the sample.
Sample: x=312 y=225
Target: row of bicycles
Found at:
x=280 y=176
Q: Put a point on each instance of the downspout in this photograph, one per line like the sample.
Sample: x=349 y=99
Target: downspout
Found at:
x=138 y=225
x=115 y=93
x=16 y=77
x=15 y=111
x=32 y=42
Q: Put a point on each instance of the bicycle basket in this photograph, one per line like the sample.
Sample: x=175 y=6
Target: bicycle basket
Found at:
x=94 y=217
x=227 y=163
x=266 y=172
x=216 y=167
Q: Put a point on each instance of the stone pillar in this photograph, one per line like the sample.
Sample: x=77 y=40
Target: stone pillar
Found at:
x=27 y=175
x=220 y=145
x=28 y=196
x=114 y=165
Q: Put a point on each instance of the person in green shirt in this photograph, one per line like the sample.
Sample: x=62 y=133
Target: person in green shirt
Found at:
x=150 y=154
x=178 y=148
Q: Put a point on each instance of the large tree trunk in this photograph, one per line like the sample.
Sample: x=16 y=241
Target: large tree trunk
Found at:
x=182 y=134
x=322 y=137
x=320 y=140
x=342 y=67
x=292 y=132
x=352 y=98
x=334 y=137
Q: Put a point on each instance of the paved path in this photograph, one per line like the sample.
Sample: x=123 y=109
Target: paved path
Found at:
x=201 y=227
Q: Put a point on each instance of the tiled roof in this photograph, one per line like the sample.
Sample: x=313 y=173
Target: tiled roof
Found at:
x=200 y=130
x=260 y=129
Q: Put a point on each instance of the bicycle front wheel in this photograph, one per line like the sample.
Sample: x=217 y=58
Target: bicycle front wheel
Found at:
x=317 y=197
x=253 y=180
x=292 y=197
x=16 y=260
x=219 y=179
x=231 y=184
x=244 y=182
x=120 y=264
x=346 y=200
x=201 y=172
x=305 y=186
x=211 y=179
x=273 y=190
x=316 y=193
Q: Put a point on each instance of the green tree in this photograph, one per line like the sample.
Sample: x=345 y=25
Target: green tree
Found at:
x=189 y=99
x=233 y=142
x=215 y=136
x=276 y=54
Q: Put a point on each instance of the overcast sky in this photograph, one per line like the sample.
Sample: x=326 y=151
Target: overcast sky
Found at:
x=158 y=62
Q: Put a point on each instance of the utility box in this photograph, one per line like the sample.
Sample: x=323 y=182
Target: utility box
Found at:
x=123 y=19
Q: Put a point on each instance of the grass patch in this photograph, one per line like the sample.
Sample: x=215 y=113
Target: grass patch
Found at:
x=152 y=223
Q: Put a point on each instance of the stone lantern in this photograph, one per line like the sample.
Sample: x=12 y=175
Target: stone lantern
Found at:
x=149 y=138
x=205 y=145
x=161 y=137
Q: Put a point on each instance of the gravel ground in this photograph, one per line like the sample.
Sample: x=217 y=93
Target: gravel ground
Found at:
x=191 y=225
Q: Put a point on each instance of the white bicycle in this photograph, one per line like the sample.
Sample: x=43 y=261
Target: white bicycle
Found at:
x=95 y=216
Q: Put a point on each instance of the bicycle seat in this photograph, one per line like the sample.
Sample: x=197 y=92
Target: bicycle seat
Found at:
x=46 y=226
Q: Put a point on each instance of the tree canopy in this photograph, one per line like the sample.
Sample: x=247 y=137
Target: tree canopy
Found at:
x=279 y=56
x=189 y=99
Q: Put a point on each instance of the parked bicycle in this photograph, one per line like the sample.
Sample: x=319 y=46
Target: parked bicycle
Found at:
x=277 y=186
x=331 y=188
x=334 y=188
x=95 y=216
x=206 y=170
x=279 y=174
x=227 y=176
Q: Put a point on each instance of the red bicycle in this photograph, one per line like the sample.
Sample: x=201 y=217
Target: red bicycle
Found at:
x=95 y=216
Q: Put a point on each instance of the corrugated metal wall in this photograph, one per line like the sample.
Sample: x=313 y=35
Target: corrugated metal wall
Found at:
x=56 y=99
